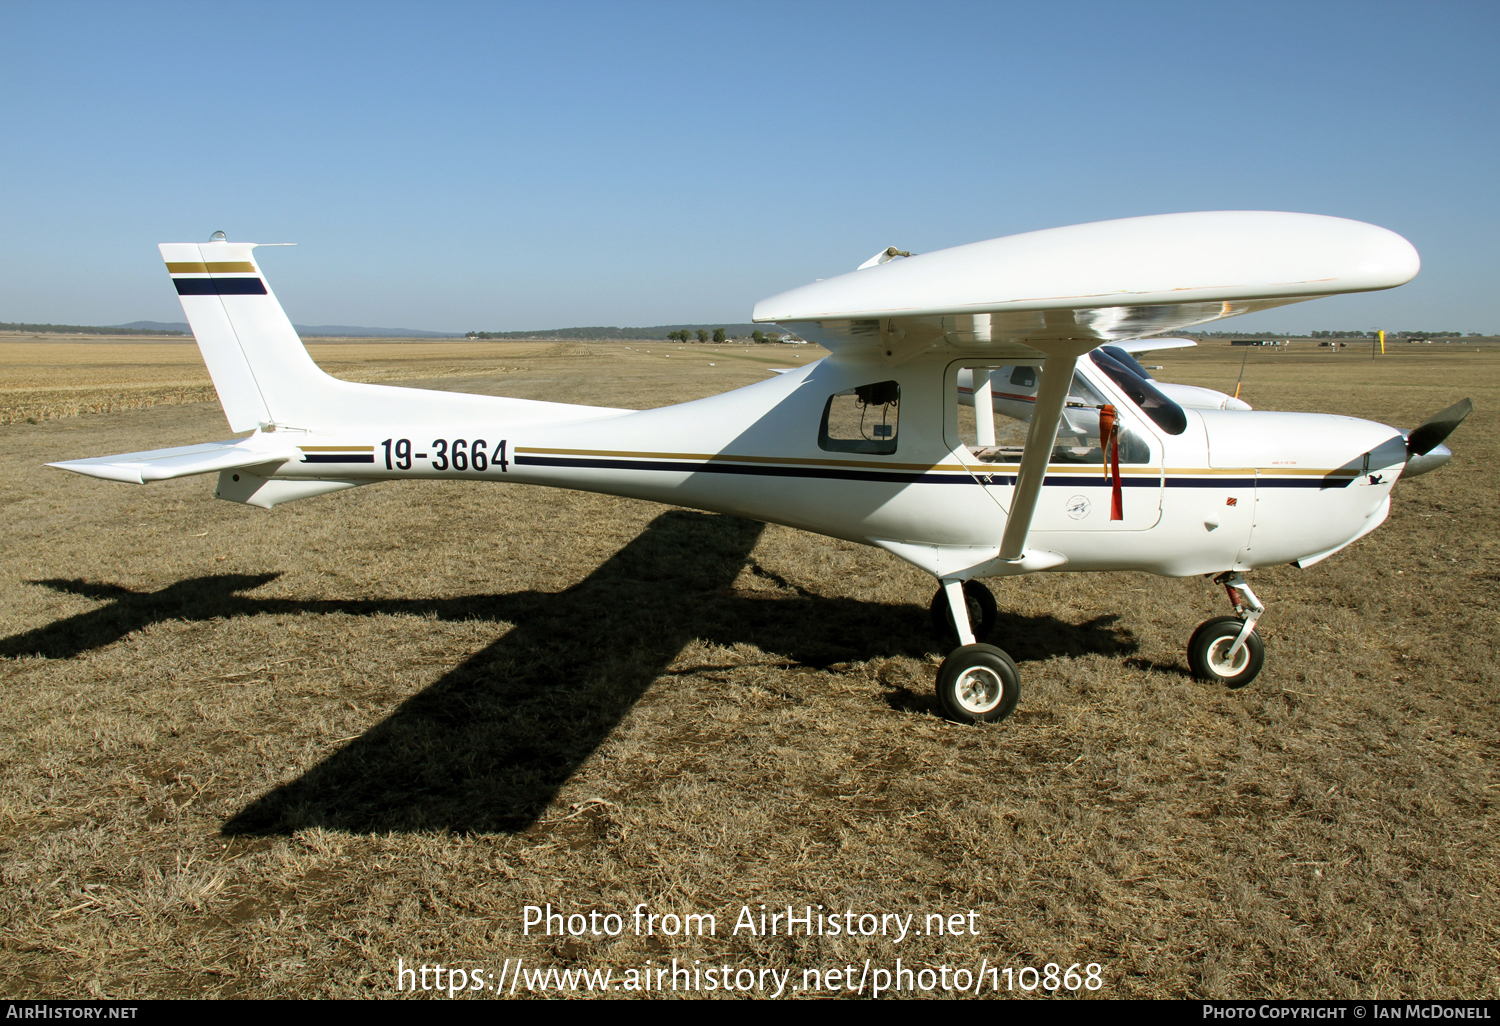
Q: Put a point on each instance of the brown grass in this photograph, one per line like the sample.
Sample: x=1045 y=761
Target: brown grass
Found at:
x=268 y=754
x=42 y=380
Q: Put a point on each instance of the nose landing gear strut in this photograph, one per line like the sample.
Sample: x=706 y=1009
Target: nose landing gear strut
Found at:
x=1227 y=649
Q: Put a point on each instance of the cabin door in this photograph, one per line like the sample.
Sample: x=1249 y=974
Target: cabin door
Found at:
x=1078 y=493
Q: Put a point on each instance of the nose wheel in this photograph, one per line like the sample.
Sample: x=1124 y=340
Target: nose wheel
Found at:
x=1226 y=649
x=1212 y=655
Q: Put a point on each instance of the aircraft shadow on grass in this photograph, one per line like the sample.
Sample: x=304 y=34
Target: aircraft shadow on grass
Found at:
x=487 y=746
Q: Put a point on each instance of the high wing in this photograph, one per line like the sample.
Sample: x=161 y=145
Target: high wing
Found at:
x=1054 y=290
x=1062 y=292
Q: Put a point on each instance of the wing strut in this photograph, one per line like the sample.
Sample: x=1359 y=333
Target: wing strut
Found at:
x=1051 y=397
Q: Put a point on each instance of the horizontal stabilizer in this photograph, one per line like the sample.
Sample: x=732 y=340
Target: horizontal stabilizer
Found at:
x=183 y=461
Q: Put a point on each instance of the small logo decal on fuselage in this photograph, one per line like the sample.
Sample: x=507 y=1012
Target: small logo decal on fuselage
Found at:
x=1078 y=507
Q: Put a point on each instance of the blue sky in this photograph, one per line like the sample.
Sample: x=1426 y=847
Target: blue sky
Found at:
x=510 y=166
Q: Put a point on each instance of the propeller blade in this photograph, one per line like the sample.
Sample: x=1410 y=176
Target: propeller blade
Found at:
x=1437 y=427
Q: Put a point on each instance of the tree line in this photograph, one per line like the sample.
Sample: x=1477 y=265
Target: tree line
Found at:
x=1404 y=333
x=673 y=332
x=702 y=335
x=81 y=329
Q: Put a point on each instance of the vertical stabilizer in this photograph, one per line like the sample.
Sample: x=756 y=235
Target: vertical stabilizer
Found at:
x=264 y=376
x=258 y=364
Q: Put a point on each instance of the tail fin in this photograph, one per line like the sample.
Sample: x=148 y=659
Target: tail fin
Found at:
x=258 y=364
x=264 y=376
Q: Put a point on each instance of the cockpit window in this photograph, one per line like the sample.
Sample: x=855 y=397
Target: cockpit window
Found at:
x=862 y=419
x=1001 y=438
x=1163 y=412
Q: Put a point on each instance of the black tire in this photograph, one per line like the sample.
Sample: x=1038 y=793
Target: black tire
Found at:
x=978 y=684
x=982 y=612
x=1211 y=642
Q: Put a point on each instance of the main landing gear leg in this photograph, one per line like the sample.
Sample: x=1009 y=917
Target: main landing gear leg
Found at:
x=1226 y=648
x=958 y=608
x=980 y=604
x=976 y=683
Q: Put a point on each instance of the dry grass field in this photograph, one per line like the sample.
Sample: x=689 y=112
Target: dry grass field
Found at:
x=46 y=377
x=270 y=754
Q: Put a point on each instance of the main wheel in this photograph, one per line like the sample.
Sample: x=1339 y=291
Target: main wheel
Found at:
x=982 y=611
x=978 y=684
x=1208 y=652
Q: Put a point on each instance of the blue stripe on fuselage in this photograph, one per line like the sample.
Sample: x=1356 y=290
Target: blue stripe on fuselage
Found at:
x=907 y=477
x=319 y=458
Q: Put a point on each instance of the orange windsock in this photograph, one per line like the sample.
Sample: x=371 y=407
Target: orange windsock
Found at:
x=1109 y=441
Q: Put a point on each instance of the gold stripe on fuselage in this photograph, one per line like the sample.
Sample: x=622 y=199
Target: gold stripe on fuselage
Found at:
x=1054 y=469
x=727 y=458
x=1263 y=473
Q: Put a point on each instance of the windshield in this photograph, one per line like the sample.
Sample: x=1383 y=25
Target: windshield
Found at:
x=1127 y=360
x=1163 y=412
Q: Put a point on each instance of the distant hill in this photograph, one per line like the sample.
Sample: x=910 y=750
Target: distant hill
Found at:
x=313 y=330
x=157 y=327
x=351 y=331
x=86 y=329
x=659 y=331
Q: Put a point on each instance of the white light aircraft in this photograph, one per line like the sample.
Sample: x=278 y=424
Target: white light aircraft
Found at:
x=978 y=417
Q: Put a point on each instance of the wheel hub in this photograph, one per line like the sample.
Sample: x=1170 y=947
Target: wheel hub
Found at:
x=1218 y=657
x=980 y=689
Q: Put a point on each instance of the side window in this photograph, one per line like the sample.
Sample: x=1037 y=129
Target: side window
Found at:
x=1001 y=438
x=861 y=419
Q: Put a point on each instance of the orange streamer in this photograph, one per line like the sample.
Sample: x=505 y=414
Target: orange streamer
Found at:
x=1109 y=438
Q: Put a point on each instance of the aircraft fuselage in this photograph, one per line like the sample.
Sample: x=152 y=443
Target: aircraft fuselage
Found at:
x=1233 y=490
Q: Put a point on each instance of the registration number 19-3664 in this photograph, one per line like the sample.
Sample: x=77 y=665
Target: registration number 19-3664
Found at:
x=454 y=454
